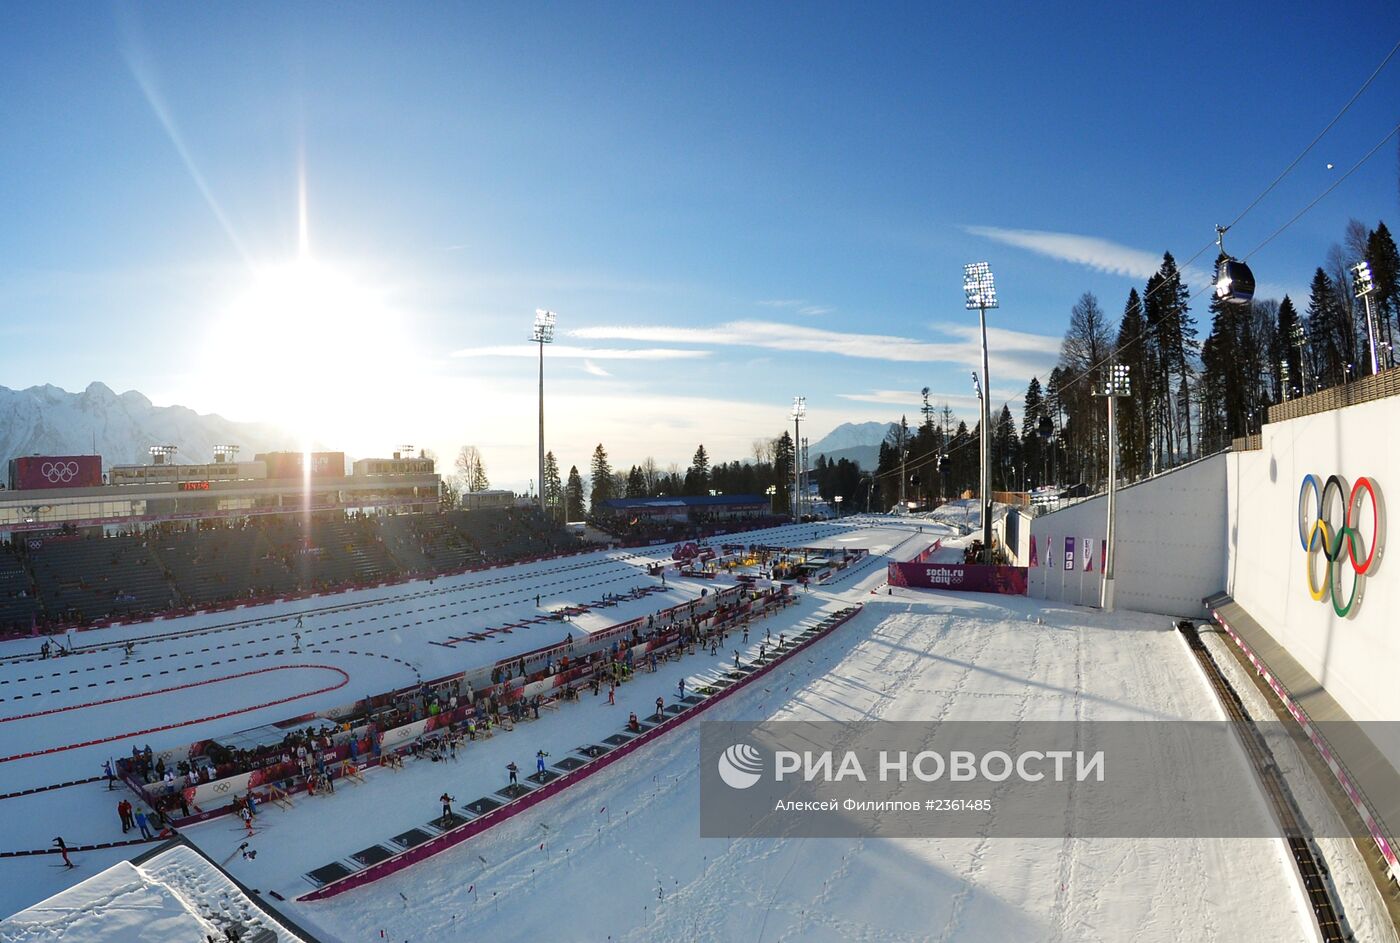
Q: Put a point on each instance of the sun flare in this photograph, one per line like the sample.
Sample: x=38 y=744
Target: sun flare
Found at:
x=313 y=344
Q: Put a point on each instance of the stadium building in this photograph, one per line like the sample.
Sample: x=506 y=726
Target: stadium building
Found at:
x=66 y=493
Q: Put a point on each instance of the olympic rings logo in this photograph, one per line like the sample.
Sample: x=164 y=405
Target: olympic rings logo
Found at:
x=1319 y=535
x=58 y=472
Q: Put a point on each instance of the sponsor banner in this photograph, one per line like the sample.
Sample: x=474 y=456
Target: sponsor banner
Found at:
x=963 y=577
x=219 y=791
x=392 y=738
x=991 y=779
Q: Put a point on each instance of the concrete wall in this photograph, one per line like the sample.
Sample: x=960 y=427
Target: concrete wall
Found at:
x=1171 y=540
x=1357 y=659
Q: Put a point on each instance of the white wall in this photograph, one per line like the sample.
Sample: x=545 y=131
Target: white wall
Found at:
x=1170 y=536
x=1356 y=659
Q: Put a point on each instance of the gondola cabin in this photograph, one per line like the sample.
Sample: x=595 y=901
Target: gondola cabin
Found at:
x=1234 y=282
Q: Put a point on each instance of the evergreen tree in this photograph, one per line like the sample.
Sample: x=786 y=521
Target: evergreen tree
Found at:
x=697 y=477
x=573 y=495
x=1083 y=353
x=1006 y=452
x=601 y=472
x=1134 y=434
x=1033 y=447
x=1174 y=335
x=1384 y=259
x=1222 y=394
x=1054 y=408
x=1329 y=332
x=783 y=458
x=553 y=487
x=963 y=460
x=636 y=483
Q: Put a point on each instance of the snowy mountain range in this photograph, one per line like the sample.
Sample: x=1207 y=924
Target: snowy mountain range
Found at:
x=856 y=441
x=47 y=420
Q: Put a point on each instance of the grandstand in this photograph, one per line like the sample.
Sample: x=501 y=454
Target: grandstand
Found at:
x=18 y=607
x=165 y=537
x=79 y=579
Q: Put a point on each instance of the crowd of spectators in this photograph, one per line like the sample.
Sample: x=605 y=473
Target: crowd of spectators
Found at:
x=245 y=559
x=638 y=532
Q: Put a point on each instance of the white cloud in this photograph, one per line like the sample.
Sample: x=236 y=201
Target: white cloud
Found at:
x=1012 y=350
x=587 y=353
x=591 y=367
x=800 y=305
x=1101 y=255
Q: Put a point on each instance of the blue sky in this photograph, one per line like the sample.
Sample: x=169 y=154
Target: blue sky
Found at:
x=727 y=205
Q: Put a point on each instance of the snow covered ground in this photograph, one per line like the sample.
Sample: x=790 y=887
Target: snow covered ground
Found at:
x=638 y=871
x=379 y=638
x=618 y=856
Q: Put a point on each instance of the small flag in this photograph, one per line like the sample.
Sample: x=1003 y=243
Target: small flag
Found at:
x=1069 y=553
x=1035 y=557
x=1088 y=544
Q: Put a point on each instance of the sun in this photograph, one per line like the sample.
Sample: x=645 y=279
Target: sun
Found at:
x=311 y=349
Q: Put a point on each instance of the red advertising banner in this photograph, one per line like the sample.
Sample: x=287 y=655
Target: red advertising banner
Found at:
x=35 y=472
x=960 y=577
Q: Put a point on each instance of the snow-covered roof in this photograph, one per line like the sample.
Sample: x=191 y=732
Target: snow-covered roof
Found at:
x=174 y=893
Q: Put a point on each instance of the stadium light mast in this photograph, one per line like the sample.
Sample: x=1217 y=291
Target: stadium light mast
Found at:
x=1117 y=385
x=981 y=290
x=799 y=413
x=1364 y=286
x=543 y=334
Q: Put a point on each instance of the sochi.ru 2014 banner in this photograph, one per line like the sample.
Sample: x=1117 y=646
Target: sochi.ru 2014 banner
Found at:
x=1332 y=525
x=969 y=577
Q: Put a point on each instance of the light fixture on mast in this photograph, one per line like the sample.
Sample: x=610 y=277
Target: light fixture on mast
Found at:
x=543 y=334
x=1364 y=285
x=981 y=290
x=1116 y=384
x=799 y=413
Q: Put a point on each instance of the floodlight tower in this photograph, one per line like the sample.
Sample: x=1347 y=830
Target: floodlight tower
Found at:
x=1364 y=285
x=799 y=413
x=543 y=334
x=1116 y=385
x=1298 y=340
x=981 y=291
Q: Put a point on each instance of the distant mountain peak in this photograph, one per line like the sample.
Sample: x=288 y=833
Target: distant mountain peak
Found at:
x=850 y=435
x=48 y=420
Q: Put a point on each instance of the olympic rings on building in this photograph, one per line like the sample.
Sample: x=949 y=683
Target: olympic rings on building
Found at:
x=59 y=472
x=1319 y=534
